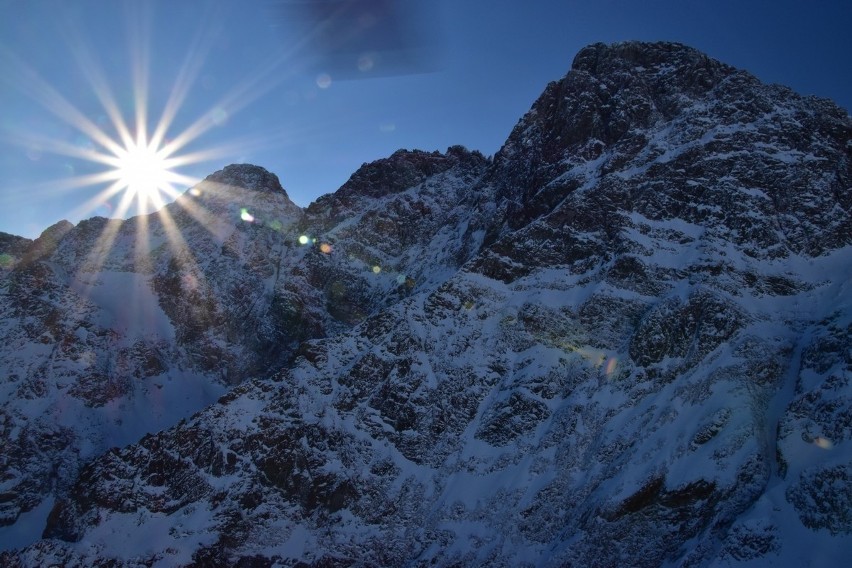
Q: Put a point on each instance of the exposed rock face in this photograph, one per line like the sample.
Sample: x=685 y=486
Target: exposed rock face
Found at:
x=625 y=340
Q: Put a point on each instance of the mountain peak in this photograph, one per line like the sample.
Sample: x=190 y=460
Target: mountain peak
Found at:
x=612 y=95
x=601 y=58
x=247 y=176
x=48 y=240
x=404 y=169
x=401 y=171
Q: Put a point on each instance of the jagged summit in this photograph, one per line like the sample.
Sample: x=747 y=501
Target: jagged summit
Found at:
x=56 y=231
x=247 y=176
x=653 y=57
x=402 y=177
x=612 y=90
x=240 y=191
x=401 y=170
x=47 y=242
x=631 y=113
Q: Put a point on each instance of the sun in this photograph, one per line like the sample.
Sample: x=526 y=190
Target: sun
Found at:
x=142 y=171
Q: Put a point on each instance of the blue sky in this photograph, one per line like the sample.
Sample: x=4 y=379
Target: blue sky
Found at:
x=254 y=87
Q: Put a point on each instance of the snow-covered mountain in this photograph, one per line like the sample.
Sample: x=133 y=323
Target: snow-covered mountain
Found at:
x=116 y=329
x=624 y=340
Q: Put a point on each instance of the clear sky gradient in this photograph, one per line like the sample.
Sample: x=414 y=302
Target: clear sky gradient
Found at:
x=266 y=82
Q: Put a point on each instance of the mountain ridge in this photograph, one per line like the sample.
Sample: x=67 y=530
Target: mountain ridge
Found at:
x=625 y=336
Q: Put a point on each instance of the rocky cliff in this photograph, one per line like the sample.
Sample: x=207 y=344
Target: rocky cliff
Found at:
x=624 y=340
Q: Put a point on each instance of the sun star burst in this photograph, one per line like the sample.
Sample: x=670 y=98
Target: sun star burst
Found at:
x=143 y=170
x=132 y=165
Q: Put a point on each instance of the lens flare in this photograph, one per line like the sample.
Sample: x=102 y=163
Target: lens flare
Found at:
x=323 y=80
x=365 y=63
x=219 y=116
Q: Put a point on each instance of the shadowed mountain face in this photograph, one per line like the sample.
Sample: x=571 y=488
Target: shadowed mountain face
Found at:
x=625 y=339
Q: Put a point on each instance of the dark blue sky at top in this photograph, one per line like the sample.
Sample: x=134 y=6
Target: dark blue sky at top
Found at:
x=272 y=89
